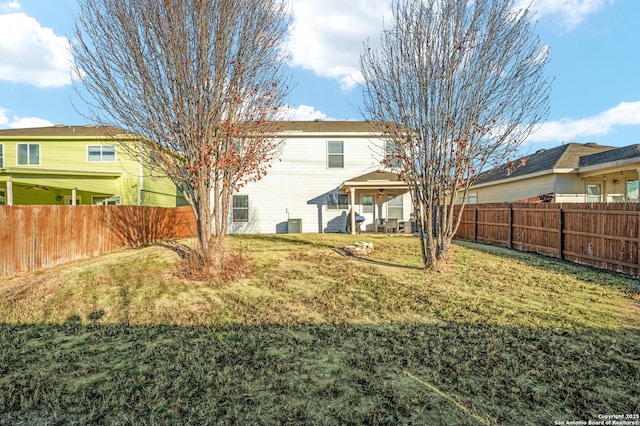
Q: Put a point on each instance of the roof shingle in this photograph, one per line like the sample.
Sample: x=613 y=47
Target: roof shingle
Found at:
x=561 y=157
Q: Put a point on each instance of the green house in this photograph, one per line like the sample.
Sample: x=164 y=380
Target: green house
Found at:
x=77 y=165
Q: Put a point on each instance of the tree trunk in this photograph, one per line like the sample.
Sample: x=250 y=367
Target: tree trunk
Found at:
x=204 y=230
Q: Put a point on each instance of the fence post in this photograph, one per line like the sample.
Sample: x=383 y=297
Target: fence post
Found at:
x=561 y=233
x=475 y=224
x=510 y=232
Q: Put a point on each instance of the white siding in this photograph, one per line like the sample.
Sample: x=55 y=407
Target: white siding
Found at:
x=297 y=186
x=570 y=189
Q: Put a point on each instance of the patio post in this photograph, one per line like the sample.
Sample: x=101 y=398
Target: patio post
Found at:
x=9 y=193
x=352 y=194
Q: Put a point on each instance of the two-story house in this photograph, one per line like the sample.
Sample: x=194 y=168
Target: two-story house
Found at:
x=76 y=165
x=327 y=171
x=328 y=178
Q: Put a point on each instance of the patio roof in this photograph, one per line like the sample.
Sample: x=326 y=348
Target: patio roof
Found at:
x=379 y=179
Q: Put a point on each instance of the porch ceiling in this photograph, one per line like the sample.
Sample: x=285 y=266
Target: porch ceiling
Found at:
x=98 y=187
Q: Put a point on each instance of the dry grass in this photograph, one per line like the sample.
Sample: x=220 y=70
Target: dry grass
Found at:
x=314 y=337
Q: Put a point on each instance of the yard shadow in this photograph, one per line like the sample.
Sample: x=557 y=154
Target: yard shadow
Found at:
x=137 y=226
x=439 y=373
x=182 y=250
x=348 y=254
x=293 y=239
x=536 y=260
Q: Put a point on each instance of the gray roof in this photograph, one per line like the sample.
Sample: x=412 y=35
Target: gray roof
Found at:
x=566 y=156
x=624 y=153
x=327 y=126
x=377 y=175
x=61 y=130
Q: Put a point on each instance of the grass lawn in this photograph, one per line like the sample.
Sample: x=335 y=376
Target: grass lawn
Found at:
x=315 y=337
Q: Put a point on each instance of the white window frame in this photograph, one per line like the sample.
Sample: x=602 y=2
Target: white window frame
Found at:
x=28 y=145
x=586 y=192
x=472 y=198
x=114 y=200
x=240 y=208
x=389 y=152
x=101 y=148
x=395 y=203
x=335 y=155
x=626 y=191
x=334 y=201
x=67 y=200
x=367 y=208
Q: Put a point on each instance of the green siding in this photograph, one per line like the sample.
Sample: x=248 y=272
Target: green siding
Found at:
x=64 y=165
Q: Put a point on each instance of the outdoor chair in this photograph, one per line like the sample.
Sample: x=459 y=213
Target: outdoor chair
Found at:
x=391 y=226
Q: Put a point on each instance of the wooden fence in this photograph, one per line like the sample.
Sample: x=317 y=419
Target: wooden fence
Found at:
x=36 y=237
x=602 y=235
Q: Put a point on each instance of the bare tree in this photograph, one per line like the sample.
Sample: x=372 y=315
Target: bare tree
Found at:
x=456 y=87
x=198 y=82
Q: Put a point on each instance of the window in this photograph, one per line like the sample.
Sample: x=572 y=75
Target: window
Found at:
x=28 y=154
x=101 y=153
x=335 y=154
x=632 y=190
x=395 y=207
x=472 y=198
x=594 y=192
x=337 y=202
x=389 y=154
x=3 y=200
x=367 y=203
x=114 y=200
x=240 y=208
x=1 y=156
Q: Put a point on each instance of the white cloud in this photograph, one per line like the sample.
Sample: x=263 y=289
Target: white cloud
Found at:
x=304 y=113
x=15 y=122
x=327 y=35
x=10 y=6
x=569 y=13
x=567 y=130
x=31 y=53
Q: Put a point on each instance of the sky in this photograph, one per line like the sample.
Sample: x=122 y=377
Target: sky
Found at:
x=594 y=48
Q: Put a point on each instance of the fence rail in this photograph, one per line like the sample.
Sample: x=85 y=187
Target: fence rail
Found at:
x=36 y=237
x=602 y=235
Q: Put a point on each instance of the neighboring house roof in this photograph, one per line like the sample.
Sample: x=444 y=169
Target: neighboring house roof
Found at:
x=566 y=157
x=624 y=153
x=61 y=130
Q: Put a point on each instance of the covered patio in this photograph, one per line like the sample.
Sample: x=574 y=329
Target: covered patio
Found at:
x=50 y=187
x=380 y=199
